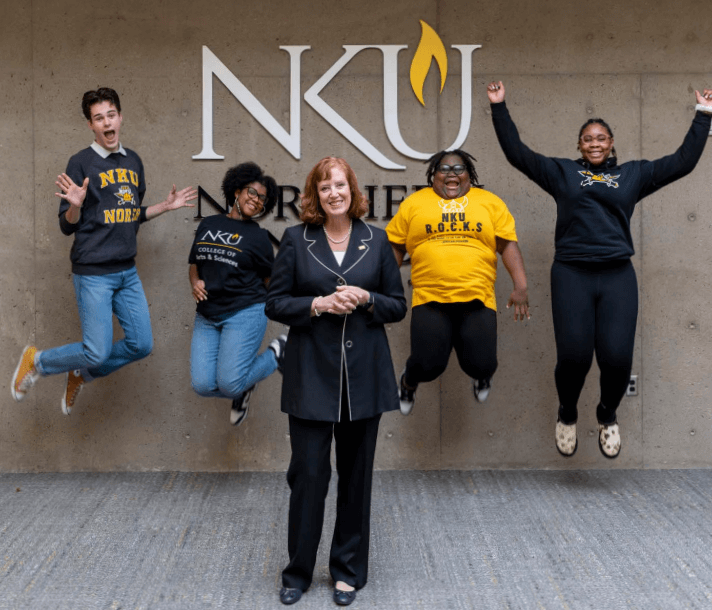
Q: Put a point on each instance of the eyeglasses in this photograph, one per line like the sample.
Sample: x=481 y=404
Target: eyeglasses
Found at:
x=253 y=193
x=446 y=169
x=601 y=139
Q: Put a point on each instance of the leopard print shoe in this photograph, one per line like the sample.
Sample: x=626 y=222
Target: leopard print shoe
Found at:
x=566 y=441
x=609 y=440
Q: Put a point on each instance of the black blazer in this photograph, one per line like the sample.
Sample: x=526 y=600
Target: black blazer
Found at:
x=320 y=348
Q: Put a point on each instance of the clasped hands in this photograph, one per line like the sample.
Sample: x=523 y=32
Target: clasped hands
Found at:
x=343 y=301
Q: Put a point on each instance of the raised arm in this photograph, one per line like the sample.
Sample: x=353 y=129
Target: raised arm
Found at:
x=662 y=172
x=175 y=200
x=534 y=166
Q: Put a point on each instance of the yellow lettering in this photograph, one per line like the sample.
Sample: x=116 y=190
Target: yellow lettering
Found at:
x=137 y=213
x=106 y=177
x=120 y=215
x=134 y=177
x=109 y=217
x=122 y=175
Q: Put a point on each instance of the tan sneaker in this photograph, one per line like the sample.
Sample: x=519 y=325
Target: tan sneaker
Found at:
x=74 y=385
x=26 y=375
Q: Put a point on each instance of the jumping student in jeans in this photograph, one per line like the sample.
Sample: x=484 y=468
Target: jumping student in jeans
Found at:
x=101 y=191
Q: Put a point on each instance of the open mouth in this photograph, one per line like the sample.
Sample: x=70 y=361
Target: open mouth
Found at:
x=109 y=134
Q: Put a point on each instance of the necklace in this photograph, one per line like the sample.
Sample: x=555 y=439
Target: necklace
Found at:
x=340 y=241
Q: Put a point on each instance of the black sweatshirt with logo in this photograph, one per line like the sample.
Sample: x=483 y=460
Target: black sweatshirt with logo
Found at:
x=595 y=203
x=233 y=258
x=105 y=236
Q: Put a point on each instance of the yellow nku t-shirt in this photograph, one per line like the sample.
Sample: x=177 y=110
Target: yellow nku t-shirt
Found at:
x=452 y=244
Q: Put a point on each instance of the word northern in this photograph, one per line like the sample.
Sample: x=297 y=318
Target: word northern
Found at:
x=393 y=197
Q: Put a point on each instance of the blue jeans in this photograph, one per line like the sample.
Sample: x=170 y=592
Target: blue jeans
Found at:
x=223 y=355
x=98 y=297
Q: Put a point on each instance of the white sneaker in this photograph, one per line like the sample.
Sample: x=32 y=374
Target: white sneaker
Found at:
x=240 y=406
x=481 y=388
x=277 y=346
x=406 y=396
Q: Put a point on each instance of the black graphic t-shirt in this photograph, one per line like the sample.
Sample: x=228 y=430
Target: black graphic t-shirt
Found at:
x=233 y=258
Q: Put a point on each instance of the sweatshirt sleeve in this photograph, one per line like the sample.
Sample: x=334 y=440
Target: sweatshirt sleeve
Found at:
x=542 y=170
x=661 y=172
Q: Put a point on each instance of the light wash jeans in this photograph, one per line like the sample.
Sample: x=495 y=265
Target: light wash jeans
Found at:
x=223 y=355
x=98 y=297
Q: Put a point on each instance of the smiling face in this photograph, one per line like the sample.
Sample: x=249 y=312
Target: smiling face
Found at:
x=449 y=185
x=334 y=194
x=595 y=144
x=105 y=122
x=250 y=200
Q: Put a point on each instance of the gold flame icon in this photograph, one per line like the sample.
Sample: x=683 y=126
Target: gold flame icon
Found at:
x=430 y=47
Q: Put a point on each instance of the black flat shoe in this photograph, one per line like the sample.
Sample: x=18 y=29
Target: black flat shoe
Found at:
x=344 y=598
x=289 y=596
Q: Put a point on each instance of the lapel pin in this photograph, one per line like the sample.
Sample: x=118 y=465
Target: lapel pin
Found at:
x=362 y=247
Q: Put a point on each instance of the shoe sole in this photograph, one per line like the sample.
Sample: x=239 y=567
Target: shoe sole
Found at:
x=14 y=394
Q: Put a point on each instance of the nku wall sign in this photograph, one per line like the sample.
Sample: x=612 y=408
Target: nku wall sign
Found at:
x=429 y=48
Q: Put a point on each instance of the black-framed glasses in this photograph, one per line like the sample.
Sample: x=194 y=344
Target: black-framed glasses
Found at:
x=253 y=193
x=446 y=169
x=601 y=139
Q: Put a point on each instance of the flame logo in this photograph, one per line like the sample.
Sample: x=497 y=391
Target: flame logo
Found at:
x=430 y=47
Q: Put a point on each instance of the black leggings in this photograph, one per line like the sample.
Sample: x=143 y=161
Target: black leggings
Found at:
x=595 y=309
x=435 y=328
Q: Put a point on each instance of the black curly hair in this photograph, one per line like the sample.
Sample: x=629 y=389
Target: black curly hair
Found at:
x=244 y=174
x=467 y=160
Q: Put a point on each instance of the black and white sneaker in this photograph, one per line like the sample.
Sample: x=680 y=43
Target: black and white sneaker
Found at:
x=240 y=406
x=406 y=395
x=277 y=346
x=481 y=388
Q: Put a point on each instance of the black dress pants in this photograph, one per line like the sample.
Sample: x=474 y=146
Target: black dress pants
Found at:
x=308 y=477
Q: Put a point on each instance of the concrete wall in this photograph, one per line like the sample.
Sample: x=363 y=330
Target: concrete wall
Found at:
x=636 y=65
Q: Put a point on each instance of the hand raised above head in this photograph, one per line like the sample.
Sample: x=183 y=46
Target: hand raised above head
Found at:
x=705 y=99
x=495 y=92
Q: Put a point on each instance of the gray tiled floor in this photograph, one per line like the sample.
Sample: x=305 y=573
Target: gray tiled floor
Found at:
x=451 y=540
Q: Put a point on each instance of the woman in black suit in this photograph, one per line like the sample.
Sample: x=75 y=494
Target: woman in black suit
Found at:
x=335 y=282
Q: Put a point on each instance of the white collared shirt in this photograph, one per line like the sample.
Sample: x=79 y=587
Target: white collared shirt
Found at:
x=103 y=153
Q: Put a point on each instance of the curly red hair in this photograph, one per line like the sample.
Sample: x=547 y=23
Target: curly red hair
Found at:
x=312 y=212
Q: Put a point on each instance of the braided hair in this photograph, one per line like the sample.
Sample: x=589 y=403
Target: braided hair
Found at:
x=467 y=160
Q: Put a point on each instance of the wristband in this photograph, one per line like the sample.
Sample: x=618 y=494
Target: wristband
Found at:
x=317 y=313
x=368 y=304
